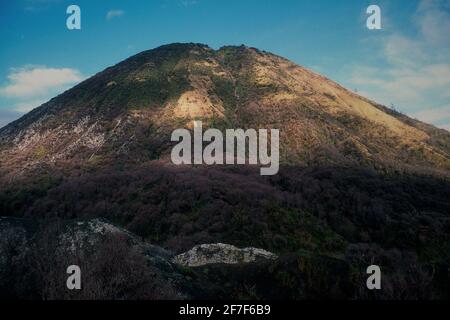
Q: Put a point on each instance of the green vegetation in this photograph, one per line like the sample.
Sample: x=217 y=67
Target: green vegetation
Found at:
x=41 y=152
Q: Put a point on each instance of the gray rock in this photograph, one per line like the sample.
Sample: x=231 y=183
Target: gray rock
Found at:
x=221 y=253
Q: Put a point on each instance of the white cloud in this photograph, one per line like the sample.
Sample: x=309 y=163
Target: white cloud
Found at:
x=433 y=19
x=437 y=115
x=410 y=89
x=403 y=51
x=416 y=74
x=38 y=81
x=30 y=86
x=114 y=13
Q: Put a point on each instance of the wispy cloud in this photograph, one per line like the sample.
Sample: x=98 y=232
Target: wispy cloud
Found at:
x=435 y=115
x=188 y=3
x=416 y=75
x=434 y=21
x=39 y=5
x=114 y=14
x=405 y=86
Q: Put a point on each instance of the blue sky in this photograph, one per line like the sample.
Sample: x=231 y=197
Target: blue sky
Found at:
x=406 y=63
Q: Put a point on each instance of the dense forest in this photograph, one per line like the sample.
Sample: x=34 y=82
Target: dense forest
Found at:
x=339 y=217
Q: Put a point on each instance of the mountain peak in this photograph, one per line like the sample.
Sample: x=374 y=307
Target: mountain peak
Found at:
x=176 y=47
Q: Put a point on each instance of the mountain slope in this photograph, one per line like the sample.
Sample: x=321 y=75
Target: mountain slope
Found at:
x=127 y=112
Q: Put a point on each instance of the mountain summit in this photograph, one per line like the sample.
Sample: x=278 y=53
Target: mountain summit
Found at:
x=127 y=112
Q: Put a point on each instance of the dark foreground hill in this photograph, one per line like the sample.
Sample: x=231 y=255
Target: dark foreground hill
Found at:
x=359 y=184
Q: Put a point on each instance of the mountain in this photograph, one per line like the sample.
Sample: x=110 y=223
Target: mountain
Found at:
x=359 y=184
x=127 y=112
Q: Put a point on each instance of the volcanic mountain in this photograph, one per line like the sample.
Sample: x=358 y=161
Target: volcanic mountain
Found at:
x=359 y=183
x=127 y=112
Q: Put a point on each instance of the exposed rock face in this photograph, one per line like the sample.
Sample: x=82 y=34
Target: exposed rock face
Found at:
x=89 y=232
x=221 y=253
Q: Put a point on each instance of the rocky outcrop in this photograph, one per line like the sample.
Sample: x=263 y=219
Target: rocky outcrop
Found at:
x=221 y=253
